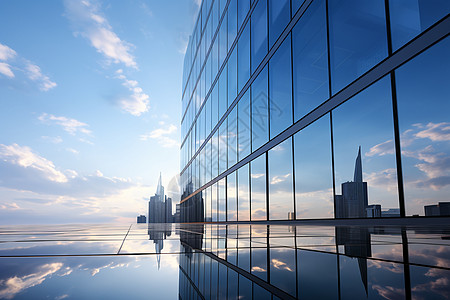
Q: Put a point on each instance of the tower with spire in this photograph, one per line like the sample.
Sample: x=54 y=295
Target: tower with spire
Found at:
x=354 y=199
x=160 y=206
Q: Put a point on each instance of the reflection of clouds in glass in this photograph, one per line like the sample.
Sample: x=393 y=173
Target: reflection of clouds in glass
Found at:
x=389 y=292
x=381 y=149
x=279 y=179
x=11 y=286
x=280 y=265
x=258 y=269
x=438 y=284
x=385 y=179
x=258 y=175
x=439 y=132
x=386 y=266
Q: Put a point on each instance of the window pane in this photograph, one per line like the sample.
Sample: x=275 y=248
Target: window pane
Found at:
x=364 y=154
x=223 y=50
x=223 y=93
x=232 y=137
x=243 y=7
x=260 y=110
x=279 y=17
x=232 y=77
x=214 y=105
x=296 y=5
x=281 y=196
x=232 y=22
x=231 y=197
x=313 y=174
x=223 y=147
x=259 y=33
x=243 y=194
x=207 y=196
x=358 y=39
x=244 y=133
x=244 y=57
x=280 y=89
x=411 y=17
x=215 y=154
x=258 y=188
x=423 y=109
x=222 y=211
x=213 y=202
x=310 y=64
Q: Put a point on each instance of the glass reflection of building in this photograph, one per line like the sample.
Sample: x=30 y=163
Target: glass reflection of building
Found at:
x=277 y=95
x=160 y=206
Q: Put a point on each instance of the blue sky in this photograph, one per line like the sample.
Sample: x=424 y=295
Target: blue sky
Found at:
x=90 y=95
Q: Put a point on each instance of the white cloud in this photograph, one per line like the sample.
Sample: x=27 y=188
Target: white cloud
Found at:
x=5 y=69
x=439 y=132
x=381 y=149
x=26 y=158
x=137 y=103
x=279 y=179
x=6 y=53
x=35 y=74
x=74 y=151
x=161 y=135
x=54 y=140
x=32 y=71
x=71 y=126
x=14 y=285
x=89 y=23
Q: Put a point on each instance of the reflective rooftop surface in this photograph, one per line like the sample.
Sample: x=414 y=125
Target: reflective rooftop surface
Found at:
x=210 y=261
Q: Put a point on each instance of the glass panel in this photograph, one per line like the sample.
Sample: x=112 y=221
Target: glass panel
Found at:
x=223 y=147
x=223 y=50
x=232 y=137
x=244 y=132
x=317 y=275
x=232 y=22
x=232 y=77
x=215 y=154
x=258 y=188
x=207 y=196
x=260 y=110
x=244 y=57
x=283 y=270
x=310 y=65
x=244 y=193
x=358 y=39
x=258 y=33
x=214 y=202
x=231 y=197
x=411 y=17
x=313 y=173
x=423 y=109
x=279 y=17
x=280 y=89
x=363 y=135
x=296 y=5
x=223 y=93
x=221 y=202
x=214 y=105
x=243 y=7
x=281 y=195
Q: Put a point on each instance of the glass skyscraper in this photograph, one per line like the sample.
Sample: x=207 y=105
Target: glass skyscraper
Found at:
x=315 y=109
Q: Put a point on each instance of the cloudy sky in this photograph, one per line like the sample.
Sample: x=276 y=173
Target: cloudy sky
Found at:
x=90 y=95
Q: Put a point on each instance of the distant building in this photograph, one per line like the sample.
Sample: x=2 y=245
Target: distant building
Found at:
x=373 y=211
x=354 y=199
x=142 y=219
x=440 y=209
x=390 y=213
x=176 y=216
x=160 y=206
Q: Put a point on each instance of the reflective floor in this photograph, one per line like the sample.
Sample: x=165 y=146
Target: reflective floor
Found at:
x=211 y=261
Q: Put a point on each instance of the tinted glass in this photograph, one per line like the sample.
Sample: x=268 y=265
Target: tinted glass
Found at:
x=313 y=174
x=232 y=137
x=223 y=106
x=410 y=18
x=232 y=22
x=221 y=202
x=244 y=57
x=243 y=7
x=231 y=197
x=280 y=89
x=364 y=154
x=258 y=33
x=232 y=77
x=260 y=110
x=423 y=108
x=310 y=66
x=244 y=132
x=280 y=173
x=244 y=193
x=358 y=39
x=279 y=17
x=223 y=147
x=258 y=188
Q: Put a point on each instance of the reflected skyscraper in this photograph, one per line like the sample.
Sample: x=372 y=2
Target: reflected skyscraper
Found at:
x=354 y=199
x=160 y=206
